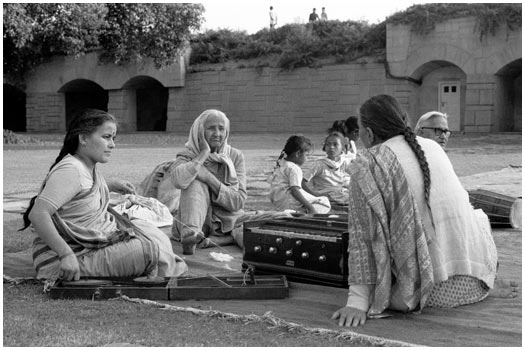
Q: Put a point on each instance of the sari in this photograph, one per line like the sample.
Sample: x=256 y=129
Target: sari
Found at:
x=93 y=230
x=408 y=250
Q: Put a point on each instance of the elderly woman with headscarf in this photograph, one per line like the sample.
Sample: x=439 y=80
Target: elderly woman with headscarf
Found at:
x=212 y=178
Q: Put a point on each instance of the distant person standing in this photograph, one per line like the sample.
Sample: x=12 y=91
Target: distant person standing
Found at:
x=273 y=18
x=324 y=16
x=313 y=16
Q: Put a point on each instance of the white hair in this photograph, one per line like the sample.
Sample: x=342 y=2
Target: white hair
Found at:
x=426 y=117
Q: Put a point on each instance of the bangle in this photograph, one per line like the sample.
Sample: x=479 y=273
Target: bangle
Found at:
x=196 y=161
x=60 y=257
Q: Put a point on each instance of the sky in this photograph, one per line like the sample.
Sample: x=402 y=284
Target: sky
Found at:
x=252 y=16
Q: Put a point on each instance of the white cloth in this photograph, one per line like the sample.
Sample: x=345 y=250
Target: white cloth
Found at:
x=289 y=175
x=139 y=207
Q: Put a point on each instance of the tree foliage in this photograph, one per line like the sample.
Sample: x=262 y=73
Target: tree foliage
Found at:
x=136 y=31
x=128 y=32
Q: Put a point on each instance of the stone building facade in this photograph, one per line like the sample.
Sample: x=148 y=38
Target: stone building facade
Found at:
x=477 y=81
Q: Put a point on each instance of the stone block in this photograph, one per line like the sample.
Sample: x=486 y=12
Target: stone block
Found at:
x=484 y=128
x=486 y=97
x=470 y=129
x=472 y=96
x=470 y=118
x=483 y=118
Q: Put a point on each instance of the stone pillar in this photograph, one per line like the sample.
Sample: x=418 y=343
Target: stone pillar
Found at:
x=173 y=124
x=122 y=104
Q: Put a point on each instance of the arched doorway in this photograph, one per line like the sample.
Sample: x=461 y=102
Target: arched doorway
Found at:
x=443 y=88
x=82 y=93
x=508 y=97
x=14 y=108
x=151 y=103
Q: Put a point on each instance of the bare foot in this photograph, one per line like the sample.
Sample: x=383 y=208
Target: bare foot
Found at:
x=504 y=289
x=215 y=241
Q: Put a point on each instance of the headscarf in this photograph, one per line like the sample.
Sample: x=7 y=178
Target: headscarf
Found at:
x=223 y=153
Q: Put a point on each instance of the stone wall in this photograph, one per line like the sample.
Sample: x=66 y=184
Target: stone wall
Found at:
x=304 y=100
x=265 y=100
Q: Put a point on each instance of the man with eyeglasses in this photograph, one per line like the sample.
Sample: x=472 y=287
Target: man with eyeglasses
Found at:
x=433 y=125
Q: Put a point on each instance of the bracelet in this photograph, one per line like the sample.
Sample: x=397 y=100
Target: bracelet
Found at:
x=66 y=255
x=196 y=161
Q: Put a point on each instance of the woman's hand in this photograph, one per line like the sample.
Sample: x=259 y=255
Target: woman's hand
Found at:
x=204 y=147
x=121 y=186
x=69 y=268
x=349 y=316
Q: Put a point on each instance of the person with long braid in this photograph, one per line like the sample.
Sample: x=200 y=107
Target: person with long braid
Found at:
x=78 y=233
x=414 y=239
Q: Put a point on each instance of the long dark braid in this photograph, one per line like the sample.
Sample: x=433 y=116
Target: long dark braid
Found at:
x=410 y=137
x=386 y=118
x=84 y=122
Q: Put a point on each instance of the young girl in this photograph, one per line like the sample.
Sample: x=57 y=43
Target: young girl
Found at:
x=286 y=191
x=350 y=131
x=327 y=175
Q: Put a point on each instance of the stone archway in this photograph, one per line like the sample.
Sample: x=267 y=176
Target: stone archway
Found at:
x=151 y=102
x=508 y=97
x=14 y=108
x=83 y=93
x=438 y=80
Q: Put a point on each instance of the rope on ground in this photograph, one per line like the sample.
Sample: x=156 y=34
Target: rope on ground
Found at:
x=274 y=322
x=18 y=280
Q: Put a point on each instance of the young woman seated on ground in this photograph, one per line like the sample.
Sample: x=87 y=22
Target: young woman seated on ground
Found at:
x=78 y=233
x=212 y=178
x=415 y=240
x=326 y=177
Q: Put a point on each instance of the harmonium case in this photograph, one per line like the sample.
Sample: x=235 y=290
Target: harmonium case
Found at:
x=305 y=249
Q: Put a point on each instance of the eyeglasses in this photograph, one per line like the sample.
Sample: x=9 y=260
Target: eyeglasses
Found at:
x=438 y=131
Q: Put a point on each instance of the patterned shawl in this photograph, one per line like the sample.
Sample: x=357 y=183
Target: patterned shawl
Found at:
x=387 y=244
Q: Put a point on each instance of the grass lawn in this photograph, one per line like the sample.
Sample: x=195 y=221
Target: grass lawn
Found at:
x=33 y=319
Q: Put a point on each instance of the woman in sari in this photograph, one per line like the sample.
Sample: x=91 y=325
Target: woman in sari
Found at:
x=78 y=233
x=415 y=240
